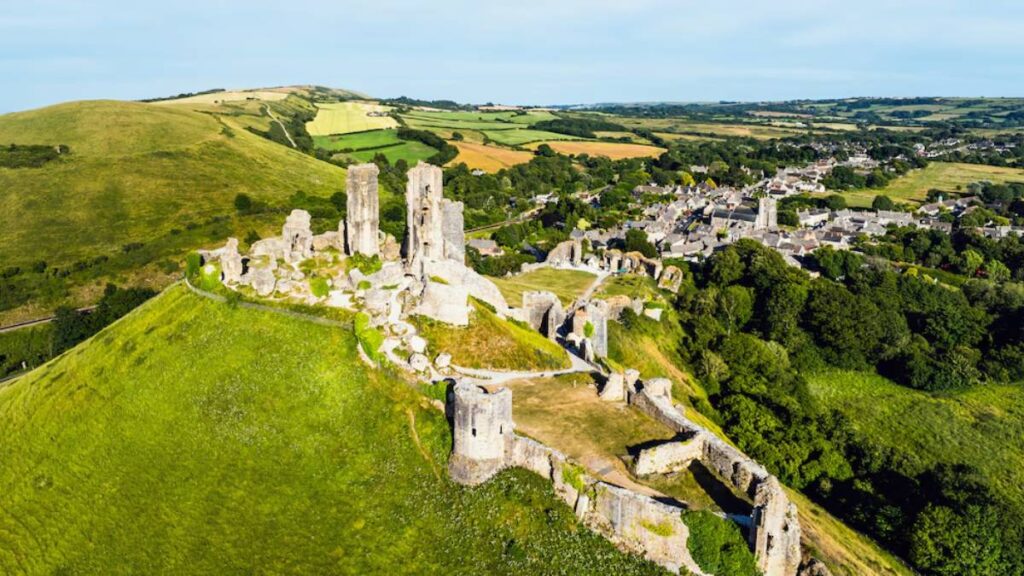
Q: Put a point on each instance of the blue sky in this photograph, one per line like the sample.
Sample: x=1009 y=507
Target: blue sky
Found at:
x=523 y=51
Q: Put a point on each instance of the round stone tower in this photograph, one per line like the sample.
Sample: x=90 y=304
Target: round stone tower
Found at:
x=482 y=425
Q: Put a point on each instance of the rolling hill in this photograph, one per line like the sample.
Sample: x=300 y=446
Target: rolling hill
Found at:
x=140 y=185
x=135 y=171
x=193 y=437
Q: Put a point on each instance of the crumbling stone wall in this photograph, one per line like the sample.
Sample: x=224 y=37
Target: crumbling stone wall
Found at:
x=543 y=311
x=445 y=303
x=297 y=237
x=453 y=231
x=597 y=316
x=567 y=253
x=485 y=443
x=671 y=279
x=668 y=457
x=458 y=274
x=775 y=527
x=362 y=220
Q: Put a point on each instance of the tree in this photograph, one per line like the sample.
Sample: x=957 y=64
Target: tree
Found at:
x=882 y=202
x=458 y=137
x=835 y=202
x=243 y=203
x=546 y=151
x=726 y=267
x=636 y=241
x=340 y=202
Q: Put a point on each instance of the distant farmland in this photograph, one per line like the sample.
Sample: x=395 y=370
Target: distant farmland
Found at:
x=914 y=186
x=613 y=150
x=363 y=146
x=489 y=158
x=346 y=117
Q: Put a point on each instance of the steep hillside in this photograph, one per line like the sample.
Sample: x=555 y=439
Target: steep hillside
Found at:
x=134 y=172
x=190 y=437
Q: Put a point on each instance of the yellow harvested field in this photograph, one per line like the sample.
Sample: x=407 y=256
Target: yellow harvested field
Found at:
x=346 y=117
x=612 y=150
x=229 y=96
x=488 y=158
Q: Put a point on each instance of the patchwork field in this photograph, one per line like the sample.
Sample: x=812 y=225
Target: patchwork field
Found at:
x=488 y=158
x=518 y=137
x=684 y=126
x=913 y=186
x=613 y=150
x=983 y=427
x=345 y=117
x=364 y=146
x=358 y=140
x=566 y=284
x=192 y=437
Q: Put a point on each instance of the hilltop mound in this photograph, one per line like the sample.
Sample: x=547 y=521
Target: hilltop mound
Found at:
x=134 y=172
x=193 y=437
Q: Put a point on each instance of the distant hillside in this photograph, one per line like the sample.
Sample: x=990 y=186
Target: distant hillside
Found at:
x=191 y=437
x=146 y=179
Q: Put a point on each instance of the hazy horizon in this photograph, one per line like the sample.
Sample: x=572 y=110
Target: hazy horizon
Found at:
x=527 y=52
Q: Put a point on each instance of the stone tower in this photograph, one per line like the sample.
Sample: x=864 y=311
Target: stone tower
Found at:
x=362 y=217
x=482 y=426
x=424 y=230
x=767 y=214
x=543 y=312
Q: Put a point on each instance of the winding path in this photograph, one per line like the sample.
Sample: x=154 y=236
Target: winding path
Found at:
x=283 y=128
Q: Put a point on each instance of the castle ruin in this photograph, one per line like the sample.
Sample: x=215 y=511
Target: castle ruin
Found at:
x=362 y=220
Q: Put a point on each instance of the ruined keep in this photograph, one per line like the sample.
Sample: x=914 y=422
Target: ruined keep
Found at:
x=482 y=425
x=543 y=312
x=231 y=265
x=362 y=220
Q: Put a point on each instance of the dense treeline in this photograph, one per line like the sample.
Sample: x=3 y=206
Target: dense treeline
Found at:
x=581 y=127
x=753 y=325
x=29 y=156
x=445 y=151
x=30 y=347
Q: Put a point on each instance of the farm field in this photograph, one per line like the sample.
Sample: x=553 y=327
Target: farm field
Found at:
x=345 y=117
x=566 y=284
x=358 y=140
x=524 y=136
x=613 y=150
x=194 y=437
x=684 y=126
x=914 y=186
x=488 y=158
x=983 y=427
x=366 y=145
x=411 y=151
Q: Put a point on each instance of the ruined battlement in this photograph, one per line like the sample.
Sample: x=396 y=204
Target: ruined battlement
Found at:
x=482 y=425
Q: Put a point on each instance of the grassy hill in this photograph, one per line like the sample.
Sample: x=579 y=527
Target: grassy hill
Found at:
x=141 y=183
x=983 y=427
x=190 y=437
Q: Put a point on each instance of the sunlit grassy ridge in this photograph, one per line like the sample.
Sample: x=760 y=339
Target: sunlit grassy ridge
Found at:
x=135 y=171
x=190 y=437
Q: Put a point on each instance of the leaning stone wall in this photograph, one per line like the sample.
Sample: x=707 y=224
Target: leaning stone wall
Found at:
x=453 y=231
x=362 y=211
x=668 y=457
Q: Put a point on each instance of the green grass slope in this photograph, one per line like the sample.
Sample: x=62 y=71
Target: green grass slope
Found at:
x=190 y=437
x=983 y=427
x=135 y=171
